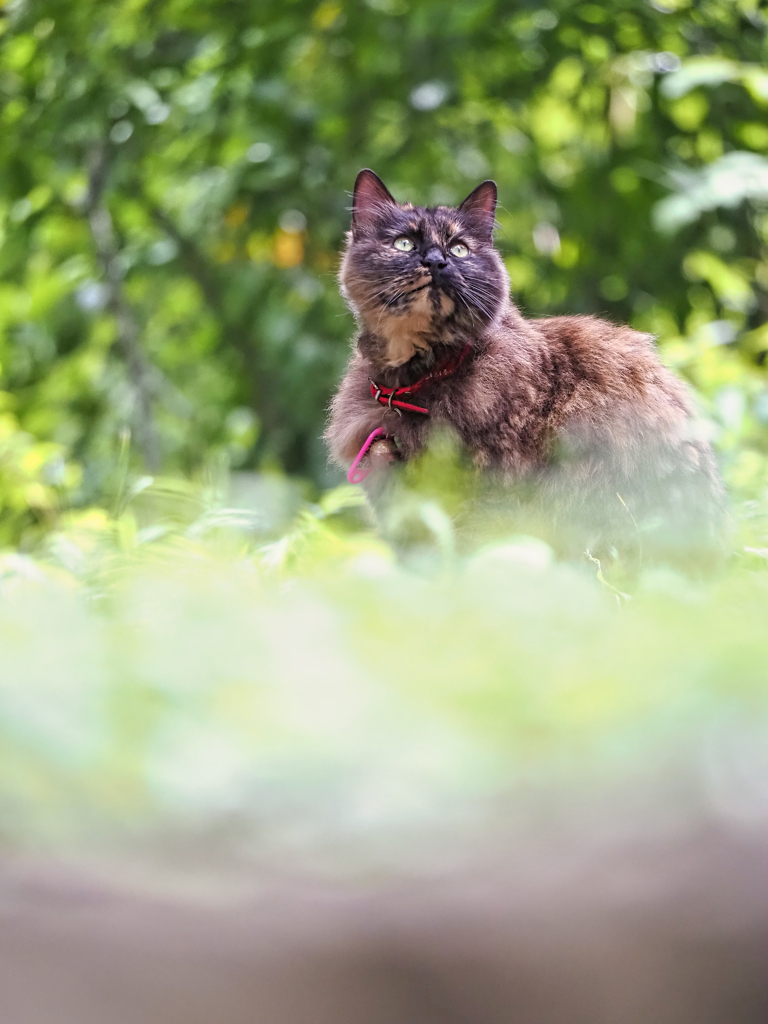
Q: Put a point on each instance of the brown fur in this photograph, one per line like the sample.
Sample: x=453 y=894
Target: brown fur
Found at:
x=582 y=406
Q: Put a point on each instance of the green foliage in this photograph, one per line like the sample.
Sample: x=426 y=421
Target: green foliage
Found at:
x=173 y=184
x=182 y=643
x=277 y=678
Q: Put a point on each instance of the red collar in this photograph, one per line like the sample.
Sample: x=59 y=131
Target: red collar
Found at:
x=390 y=396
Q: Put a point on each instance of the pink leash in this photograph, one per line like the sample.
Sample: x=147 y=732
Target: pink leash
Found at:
x=358 y=473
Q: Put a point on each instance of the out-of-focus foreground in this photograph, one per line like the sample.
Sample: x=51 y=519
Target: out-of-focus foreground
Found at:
x=255 y=765
x=298 y=780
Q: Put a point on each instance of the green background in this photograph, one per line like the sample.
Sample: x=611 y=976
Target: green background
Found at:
x=174 y=191
x=193 y=629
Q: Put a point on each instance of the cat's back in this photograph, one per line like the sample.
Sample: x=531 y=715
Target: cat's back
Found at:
x=628 y=440
x=605 y=367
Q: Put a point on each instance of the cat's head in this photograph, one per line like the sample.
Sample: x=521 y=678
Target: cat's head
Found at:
x=416 y=277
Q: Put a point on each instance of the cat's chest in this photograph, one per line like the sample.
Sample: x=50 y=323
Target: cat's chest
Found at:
x=413 y=431
x=495 y=422
x=406 y=333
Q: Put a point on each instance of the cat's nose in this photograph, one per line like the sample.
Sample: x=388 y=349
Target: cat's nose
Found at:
x=434 y=259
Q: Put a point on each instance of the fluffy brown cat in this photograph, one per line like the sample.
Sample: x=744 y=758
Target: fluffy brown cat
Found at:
x=579 y=407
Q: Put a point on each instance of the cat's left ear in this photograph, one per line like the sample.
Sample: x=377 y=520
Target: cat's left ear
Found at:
x=370 y=199
x=480 y=205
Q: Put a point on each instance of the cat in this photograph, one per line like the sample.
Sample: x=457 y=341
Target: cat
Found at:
x=579 y=410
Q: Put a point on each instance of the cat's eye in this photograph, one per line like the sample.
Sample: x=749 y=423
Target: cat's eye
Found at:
x=403 y=244
x=460 y=250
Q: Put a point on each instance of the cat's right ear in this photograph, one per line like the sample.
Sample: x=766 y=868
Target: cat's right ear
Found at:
x=480 y=205
x=370 y=198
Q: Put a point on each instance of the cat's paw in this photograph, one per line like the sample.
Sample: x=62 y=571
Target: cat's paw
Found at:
x=381 y=453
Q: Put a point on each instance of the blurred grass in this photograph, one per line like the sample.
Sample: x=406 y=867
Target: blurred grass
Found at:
x=276 y=672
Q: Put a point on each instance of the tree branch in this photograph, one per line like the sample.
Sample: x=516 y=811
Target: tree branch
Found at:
x=141 y=374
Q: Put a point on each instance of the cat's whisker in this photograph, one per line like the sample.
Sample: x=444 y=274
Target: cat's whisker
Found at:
x=479 y=306
x=475 y=293
x=469 y=308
